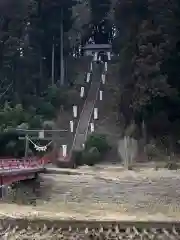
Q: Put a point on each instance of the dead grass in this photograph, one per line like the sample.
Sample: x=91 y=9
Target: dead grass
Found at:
x=104 y=193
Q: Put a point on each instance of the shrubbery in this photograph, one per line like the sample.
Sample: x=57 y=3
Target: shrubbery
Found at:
x=171 y=166
x=36 y=109
x=65 y=97
x=99 y=141
x=91 y=156
x=95 y=149
x=33 y=112
x=77 y=157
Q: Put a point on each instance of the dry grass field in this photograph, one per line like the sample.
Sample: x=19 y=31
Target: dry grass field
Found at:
x=100 y=193
x=96 y=193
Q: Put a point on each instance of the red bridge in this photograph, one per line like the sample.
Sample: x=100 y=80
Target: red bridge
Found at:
x=15 y=170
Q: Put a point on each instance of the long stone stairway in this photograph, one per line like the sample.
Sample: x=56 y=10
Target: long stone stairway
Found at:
x=85 y=117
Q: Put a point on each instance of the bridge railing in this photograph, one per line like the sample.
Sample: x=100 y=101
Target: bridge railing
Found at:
x=13 y=163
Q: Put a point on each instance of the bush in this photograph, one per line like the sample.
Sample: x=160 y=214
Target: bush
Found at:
x=153 y=151
x=98 y=141
x=77 y=158
x=46 y=109
x=65 y=97
x=171 y=166
x=35 y=122
x=130 y=167
x=96 y=147
x=72 y=98
x=91 y=156
x=10 y=145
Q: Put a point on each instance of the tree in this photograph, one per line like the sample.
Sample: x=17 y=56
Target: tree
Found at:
x=149 y=82
x=99 y=27
x=147 y=42
x=80 y=28
x=26 y=48
x=99 y=10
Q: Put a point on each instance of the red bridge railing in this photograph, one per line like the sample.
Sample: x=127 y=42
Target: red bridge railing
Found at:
x=12 y=163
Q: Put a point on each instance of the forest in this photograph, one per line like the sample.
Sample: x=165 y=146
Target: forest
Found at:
x=146 y=43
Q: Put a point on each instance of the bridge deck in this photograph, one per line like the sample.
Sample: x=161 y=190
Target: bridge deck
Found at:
x=14 y=170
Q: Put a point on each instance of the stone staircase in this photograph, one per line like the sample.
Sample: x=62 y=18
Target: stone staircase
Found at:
x=82 y=125
x=85 y=117
x=76 y=72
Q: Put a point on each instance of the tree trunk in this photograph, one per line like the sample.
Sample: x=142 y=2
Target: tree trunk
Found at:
x=61 y=51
